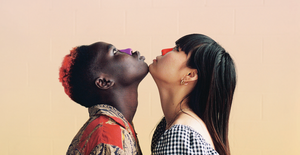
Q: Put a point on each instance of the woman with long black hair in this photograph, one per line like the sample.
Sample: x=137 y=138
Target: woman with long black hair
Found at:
x=196 y=81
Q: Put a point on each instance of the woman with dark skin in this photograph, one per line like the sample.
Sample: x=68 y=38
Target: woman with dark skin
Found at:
x=105 y=80
x=196 y=81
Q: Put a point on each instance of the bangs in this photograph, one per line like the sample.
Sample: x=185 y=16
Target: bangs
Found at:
x=189 y=42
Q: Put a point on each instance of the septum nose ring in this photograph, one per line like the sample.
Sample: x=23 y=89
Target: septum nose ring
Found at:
x=127 y=51
x=165 y=51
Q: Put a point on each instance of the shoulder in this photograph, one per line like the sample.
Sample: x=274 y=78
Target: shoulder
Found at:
x=98 y=132
x=160 y=129
x=181 y=139
x=114 y=138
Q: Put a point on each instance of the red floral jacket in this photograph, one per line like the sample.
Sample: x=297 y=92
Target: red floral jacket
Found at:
x=107 y=132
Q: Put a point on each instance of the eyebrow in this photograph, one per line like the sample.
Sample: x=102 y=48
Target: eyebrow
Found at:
x=109 y=46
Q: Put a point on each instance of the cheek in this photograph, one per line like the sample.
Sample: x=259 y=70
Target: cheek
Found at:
x=131 y=70
x=126 y=67
x=164 y=70
x=169 y=63
x=166 y=60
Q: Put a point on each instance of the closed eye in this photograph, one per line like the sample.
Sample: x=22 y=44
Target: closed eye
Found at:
x=115 y=50
x=176 y=49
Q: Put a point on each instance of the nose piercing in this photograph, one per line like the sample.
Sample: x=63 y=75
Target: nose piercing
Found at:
x=165 y=51
x=127 y=51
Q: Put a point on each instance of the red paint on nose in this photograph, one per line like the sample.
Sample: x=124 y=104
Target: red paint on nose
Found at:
x=164 y=51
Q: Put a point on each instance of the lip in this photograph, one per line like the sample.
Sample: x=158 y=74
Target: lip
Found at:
x=139 y=57
x=142 y=58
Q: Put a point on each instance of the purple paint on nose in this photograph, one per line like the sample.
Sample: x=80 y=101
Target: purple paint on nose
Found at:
x=127 y=50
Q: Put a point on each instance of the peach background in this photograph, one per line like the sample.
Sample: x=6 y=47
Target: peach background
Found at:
x=263 y=37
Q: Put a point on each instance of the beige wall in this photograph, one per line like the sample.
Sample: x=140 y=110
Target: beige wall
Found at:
x=263 y=36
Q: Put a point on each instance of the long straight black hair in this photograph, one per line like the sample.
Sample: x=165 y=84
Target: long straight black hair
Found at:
x=211 y=98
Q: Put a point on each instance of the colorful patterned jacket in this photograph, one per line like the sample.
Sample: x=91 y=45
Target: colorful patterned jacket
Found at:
x=107 y=132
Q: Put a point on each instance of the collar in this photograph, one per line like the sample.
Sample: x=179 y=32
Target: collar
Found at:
x=112 y=112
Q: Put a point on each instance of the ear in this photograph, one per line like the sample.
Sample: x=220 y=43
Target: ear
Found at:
x=192 y=76
x=104 y=83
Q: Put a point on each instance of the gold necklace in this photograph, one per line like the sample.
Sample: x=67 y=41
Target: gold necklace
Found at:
x=172 y=121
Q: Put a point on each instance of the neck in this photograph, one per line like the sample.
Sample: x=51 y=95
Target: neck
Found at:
x=126 y=101
x=173 y=100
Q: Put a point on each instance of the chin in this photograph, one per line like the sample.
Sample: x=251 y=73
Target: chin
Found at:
x=150 y=68
x=153 y=75
x=143 y=73
x=146 y=69
x=152 y=71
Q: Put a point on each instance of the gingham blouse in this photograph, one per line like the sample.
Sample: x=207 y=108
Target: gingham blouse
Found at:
x=179 y=139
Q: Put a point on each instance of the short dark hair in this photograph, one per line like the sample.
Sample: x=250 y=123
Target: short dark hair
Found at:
x=76 y=76
x=212 y=96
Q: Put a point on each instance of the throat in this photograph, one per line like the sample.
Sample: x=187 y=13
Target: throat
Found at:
x=126 y=102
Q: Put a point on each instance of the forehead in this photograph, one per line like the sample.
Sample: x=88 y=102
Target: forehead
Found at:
x=101 y=50
x=101 y=53
x=101 y=47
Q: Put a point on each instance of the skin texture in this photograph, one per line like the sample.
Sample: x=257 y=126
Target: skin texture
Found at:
x=117 y=77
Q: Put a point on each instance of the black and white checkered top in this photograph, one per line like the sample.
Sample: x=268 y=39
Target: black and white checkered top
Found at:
x=179 y=140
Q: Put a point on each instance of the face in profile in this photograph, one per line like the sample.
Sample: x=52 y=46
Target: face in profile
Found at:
x=170 y=66
x=123 y=66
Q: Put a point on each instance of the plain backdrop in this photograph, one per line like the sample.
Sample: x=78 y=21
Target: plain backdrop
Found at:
x=262 y=36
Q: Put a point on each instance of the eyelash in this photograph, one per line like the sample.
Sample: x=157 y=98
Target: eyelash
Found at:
x=176 y=49
x=115 y=50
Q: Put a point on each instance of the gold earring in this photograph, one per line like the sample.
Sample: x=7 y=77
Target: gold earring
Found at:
x=182 y=81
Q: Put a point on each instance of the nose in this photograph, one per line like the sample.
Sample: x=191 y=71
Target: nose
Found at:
x=127 y=51
x=165 y=51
